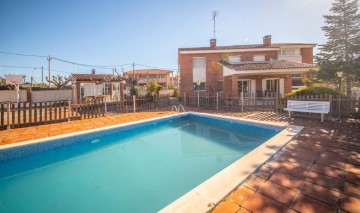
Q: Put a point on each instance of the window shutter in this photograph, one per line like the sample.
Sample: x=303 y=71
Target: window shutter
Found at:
x=89 y=89
x=253 y=87
x=263 y=84
x=199 y=69
x=281 y=85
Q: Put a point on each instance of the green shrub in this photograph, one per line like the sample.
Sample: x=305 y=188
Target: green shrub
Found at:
x=176 y=93
x=153 y=87
x=314 y=90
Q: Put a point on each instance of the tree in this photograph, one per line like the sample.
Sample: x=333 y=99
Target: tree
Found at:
x=153 y=87
x=342 y=49
x=58 y=81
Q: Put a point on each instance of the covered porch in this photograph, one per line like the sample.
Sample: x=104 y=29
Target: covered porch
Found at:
x=269 y=78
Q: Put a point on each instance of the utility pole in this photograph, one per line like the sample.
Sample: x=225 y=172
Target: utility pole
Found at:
x=49 y=59
x=42 y=76
x=133 y=69
x=32 y=79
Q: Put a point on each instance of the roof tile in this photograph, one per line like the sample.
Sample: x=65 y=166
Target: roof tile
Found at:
x=266 y=65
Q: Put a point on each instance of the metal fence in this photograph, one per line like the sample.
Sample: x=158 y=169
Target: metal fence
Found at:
x=15 y=115
x=349 y=107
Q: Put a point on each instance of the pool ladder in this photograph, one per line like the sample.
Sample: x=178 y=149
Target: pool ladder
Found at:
x=177 y=108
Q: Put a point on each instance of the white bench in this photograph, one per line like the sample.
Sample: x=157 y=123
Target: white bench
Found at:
x=322 y=107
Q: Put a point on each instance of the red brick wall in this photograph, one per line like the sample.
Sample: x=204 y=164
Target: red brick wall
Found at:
x=307 y=55
x=214 y=71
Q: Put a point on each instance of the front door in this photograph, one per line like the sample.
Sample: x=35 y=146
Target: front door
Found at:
x=272 y=86
x=244 y=86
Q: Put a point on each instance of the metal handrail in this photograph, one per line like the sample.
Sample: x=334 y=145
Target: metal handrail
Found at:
x=172 y=109
x=180 y=105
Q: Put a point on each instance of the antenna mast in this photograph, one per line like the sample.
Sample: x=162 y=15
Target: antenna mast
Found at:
x=214 y=15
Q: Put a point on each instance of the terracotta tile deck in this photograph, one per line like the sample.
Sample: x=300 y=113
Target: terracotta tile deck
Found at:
x=319 y=171
x=43 y=131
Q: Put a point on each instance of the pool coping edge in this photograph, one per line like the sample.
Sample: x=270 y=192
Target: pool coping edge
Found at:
x=203 y=197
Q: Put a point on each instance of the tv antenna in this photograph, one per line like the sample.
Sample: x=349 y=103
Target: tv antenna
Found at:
x=214 y=15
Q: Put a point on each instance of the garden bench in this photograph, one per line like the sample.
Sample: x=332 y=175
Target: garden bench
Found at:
x=322 y=107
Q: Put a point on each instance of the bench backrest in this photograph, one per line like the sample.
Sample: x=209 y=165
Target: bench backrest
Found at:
x=309 y=105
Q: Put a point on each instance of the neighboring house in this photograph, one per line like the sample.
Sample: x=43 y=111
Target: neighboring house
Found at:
x=252 y=69
x=2 y=81
x=175 y=81
x=96 y=85
x=147 y=75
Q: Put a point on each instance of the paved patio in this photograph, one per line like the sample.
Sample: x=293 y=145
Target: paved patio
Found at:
x=319 y=171
x=43 y=131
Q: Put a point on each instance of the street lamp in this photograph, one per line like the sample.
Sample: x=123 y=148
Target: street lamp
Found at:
x=339 y=75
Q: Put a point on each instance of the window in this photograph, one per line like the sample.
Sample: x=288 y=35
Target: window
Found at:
x=199 y=69
x=234 y=59
x=201 y=87
x=259 y=58
x=116 y=89
x=296 y=75
x=220 y=86
x=82 y=92
x=106 y=89
x=244 y=87
x=288 y=52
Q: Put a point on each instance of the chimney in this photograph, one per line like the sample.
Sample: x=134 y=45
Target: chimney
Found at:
x=267 y=40
x=93 y=71
x=212 y=43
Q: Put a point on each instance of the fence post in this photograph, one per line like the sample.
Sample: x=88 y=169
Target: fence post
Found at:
x=8 y=115
x=157 y=102
x=198 y=99
x=69 y=110
x=242 y=101
x=217 y=100
x=105 y=105
x=276 y=102
x=134 y=102
x=185 y=98
x=330 y=100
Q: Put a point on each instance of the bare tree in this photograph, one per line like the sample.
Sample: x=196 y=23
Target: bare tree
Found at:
x=59 y=81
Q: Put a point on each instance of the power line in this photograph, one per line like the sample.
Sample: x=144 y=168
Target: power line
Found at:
x=155 y=67
x=20 y=54
x=76 y=63
x=21 y=67
x=27 y=67
x=89 y=65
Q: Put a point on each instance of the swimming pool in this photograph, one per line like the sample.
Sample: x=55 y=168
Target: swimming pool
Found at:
x=135 y=168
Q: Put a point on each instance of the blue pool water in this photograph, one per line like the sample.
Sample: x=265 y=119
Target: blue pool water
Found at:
x=137 y=169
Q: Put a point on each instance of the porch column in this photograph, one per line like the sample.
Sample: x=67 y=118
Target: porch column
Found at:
x=227 y=85
x=234 y=85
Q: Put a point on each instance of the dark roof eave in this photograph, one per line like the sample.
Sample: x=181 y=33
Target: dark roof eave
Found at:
x=250 y=46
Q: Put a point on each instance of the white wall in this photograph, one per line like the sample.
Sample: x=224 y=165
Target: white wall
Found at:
x=51 y=95
x=10 y=95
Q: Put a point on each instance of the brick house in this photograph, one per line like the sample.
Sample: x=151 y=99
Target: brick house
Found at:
x=252 y=69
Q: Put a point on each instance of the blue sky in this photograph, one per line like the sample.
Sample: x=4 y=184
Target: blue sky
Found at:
x=115 y=32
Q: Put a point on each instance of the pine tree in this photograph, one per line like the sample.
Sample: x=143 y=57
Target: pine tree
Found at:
x=342 y=49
